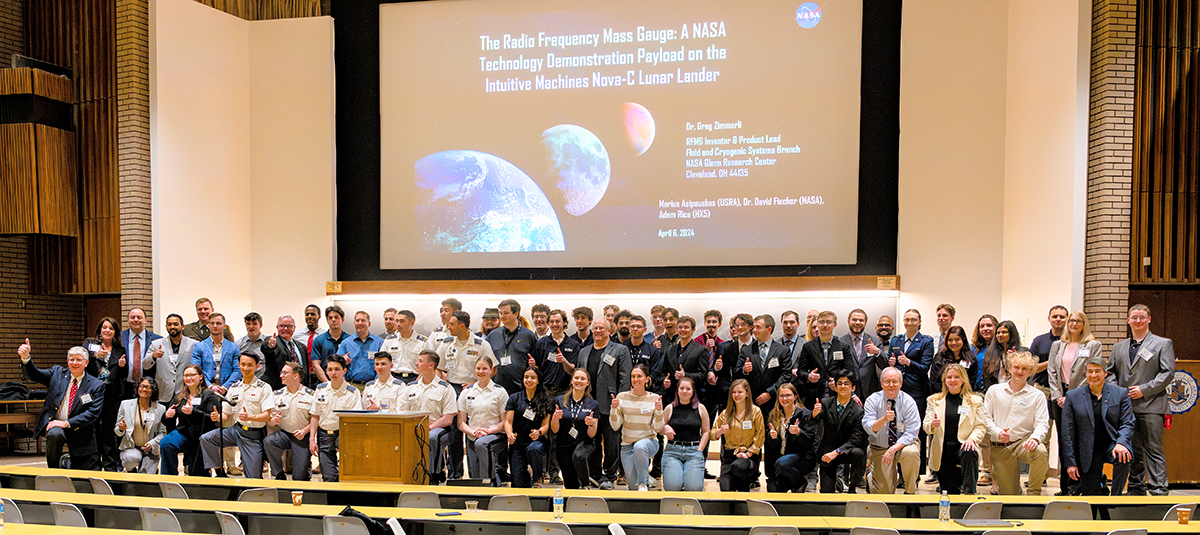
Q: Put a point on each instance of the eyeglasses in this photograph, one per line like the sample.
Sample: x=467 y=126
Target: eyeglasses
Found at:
x=824 y=322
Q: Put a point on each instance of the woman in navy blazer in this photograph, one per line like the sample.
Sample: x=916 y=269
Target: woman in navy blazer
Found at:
x=104 y=354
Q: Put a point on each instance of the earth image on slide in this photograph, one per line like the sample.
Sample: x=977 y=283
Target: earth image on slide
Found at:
x=577 y=168
x=471 y=201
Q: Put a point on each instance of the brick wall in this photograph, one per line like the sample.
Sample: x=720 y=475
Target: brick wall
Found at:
x=133 y=155
x=12 y=29
x=1110 y=167
x=53 y=323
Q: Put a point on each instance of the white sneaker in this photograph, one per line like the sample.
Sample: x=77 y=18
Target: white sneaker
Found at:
x=643 y=488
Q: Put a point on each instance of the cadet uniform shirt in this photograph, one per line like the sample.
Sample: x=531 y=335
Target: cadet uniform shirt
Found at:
x=255 y=398
x=329 y=399
x=294 y=408
x=435 y=398
x=458 y=358
x=404 y=351
x=484 y=406
x=383 y=392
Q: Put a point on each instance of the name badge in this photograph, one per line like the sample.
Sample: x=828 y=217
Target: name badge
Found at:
x=1085 y=353
x=645 y=410
x=1145 y=354
x=773 y=363
x=86 y=398
x=747 y=424
x=195 y=401
x=505 y=360
x=573 y=432
x=93 y=347
x=148 y=418
x=370 y=396
x=281 y=405
x=529 y=415
x=837 y=355
x=963 y=410
x=609 y=359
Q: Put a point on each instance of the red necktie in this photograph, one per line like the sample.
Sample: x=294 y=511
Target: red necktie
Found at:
x=311 y=335
x=135 y=363
x=71 y=398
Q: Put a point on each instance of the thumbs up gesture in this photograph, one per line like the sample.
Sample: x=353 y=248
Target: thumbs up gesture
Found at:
x=748 y=367
x=794 y=428
x=814 y=375
x=774 y=434
x=558 y=413
x=215 y=416
x=23 y=351
x=935 y=423
x=816 y=408
x=616 y=403
x=718 y=364
x=271 y=342
x=679 y=373
x=121 y=425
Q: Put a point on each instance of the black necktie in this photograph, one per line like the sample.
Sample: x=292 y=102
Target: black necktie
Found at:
x=893 y=431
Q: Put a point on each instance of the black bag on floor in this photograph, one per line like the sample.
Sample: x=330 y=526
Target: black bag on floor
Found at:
x=374 y=527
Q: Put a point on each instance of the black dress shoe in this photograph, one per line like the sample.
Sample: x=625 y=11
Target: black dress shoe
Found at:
x=708 y=475
x=1135 y=492
x=1159 y=493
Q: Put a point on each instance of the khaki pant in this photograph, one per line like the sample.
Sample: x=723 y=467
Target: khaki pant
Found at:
x=1006 y=467
x=883 y=478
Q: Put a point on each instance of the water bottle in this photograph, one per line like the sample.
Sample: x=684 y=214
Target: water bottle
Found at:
x=558 y=504
x=944 y=508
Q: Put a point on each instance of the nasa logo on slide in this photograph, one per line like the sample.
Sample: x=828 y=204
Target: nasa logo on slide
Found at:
x=1181 y=393
x=808 y=15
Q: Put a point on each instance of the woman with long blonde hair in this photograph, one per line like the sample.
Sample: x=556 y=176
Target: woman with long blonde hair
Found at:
x=955 y=425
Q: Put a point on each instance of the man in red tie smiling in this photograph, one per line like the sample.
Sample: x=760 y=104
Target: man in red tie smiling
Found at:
x=73 y=400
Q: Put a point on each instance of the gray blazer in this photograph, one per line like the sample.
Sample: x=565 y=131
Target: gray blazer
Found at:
x=1078 y=368
x=1151 y=374
x=128 y=413
x=612 y=379
x=170 y=381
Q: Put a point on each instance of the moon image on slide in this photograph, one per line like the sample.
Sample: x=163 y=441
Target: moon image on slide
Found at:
x=577 y=168
x=469 y=201
x=639 y=126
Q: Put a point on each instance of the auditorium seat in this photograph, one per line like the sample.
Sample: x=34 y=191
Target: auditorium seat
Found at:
x=538 y=527
x=760 y=508
x=674 y=506
x=867 y=509
x=344 y=525
x=983 y=511
x=230 y=525
x=774 y=530
x=419 y=498
x=159 y=519
x=54 y=483
x=863 y=530
x=171 y=489
x=1139 y=531
x=517 y=502
x=12 y=514
x=586 y=504
x=1067 y=510
x=100 y=486
x=67 y=515
x=1173 y=513
x=261 y=494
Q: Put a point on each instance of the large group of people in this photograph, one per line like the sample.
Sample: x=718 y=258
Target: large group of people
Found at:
x=624 y=399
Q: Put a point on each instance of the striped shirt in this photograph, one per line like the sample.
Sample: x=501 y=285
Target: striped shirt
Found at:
x=636 y=417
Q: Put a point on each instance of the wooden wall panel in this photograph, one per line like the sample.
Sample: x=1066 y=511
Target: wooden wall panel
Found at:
x=82 y=36
x=57 y=189
x=269 y=9
x=18 y=181
x=1166 y=152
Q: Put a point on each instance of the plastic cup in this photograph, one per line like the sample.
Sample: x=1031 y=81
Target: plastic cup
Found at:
x=297 y=497
x=687 y=509
x=1184 y=515
x=472 y=506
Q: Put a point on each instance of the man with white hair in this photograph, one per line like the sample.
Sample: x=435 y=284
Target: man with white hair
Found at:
x=72 y=408
x=891 y=421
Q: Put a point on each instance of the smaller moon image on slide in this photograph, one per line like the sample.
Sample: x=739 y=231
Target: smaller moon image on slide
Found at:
x=577 y=168
x=469 y=201
x=639 y=126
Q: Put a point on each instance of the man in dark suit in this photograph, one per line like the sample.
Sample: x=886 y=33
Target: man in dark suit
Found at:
x=1087 y=445
x=281 y=349
x=843 y=438
x=764 y=363
x=136 y=341
x=819 y=358
x=1145 y=364
x=866 y=365
x=72 y=408
x=609 y=365
x=912 y=354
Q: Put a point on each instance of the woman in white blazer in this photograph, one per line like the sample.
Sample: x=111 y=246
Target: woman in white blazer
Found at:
x=140 y=426
x=955 y=437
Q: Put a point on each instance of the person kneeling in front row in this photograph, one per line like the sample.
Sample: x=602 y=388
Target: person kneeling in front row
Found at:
x=1098 y=424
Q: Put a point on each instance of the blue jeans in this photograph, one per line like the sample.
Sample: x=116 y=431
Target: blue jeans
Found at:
x=683 y=468
x=169 y=449
x=527 y=461
x=635 y=459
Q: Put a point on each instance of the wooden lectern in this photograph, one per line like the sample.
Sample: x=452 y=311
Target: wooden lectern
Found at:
x=384 y=447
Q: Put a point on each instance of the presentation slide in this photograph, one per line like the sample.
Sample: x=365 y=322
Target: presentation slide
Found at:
x=559 y=134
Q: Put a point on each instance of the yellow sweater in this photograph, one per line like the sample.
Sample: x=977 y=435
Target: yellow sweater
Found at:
x=739 y=436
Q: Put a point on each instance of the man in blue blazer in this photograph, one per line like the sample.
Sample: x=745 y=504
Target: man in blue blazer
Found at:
x=912 y=354
x=72 y=408
x=136 y=337
x=205 y=355
x=1086 y=445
